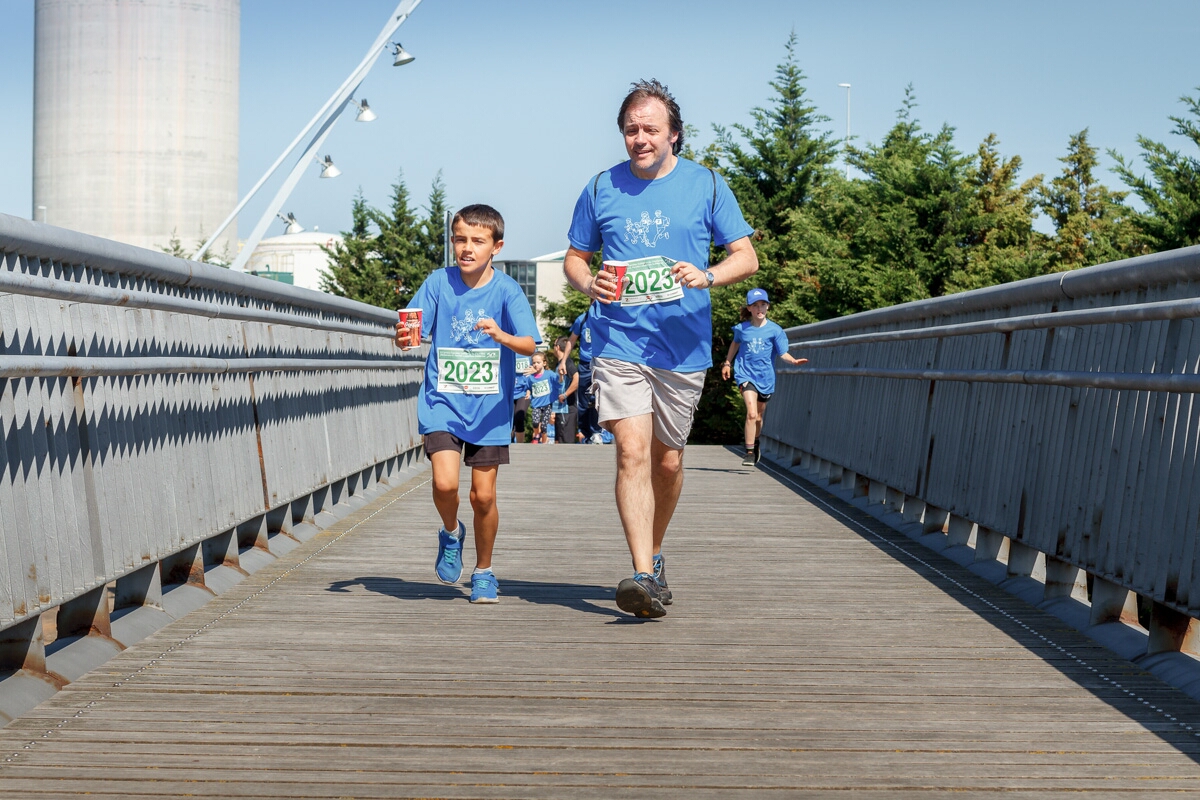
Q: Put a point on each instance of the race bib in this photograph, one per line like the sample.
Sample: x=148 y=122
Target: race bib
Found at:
x=524 y=363
x=474 y=371
x=649 y=280
x=540 y=388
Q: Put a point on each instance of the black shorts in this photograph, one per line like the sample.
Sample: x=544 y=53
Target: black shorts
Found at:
x=476 y=455
x=762 y=398
x=520 y=406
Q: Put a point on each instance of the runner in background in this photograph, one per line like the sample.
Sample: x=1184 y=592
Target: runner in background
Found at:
x=585 y=400
x=566 y=424
x=757 y=342
x=521 y=397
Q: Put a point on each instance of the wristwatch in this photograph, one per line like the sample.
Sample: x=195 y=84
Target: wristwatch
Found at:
x=708 y=275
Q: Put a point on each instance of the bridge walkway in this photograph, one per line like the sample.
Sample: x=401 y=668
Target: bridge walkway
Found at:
x=810 y=652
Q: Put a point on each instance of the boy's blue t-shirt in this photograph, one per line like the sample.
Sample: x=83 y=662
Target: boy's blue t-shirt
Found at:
x=450 y=310
x=757 y=350
x=543 y=388
x=520 y=386
x=674 y=216
x=582 y=329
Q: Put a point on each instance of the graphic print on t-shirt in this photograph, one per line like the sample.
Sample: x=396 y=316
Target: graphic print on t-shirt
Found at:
x=464 y=330
x=757 y=345
x=647 y=231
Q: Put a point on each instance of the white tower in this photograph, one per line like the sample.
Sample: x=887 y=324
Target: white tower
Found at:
x=135 y=118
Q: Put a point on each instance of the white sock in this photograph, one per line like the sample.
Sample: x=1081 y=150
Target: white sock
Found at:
x=479 y=570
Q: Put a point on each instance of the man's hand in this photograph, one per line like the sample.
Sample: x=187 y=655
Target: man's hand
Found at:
x=725 y=371
x=689 y=275
x=603 y=286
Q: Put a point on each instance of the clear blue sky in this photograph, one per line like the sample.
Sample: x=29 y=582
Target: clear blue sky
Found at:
x=515 y=102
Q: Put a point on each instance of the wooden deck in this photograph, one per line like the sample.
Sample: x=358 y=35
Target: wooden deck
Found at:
x=810 y=652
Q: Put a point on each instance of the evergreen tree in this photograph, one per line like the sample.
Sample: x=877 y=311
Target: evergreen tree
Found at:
x=432 y=233
x=1002 y=245
x=1172 y=191
x=354 y=269
x=398 y=247
x=1091 y=222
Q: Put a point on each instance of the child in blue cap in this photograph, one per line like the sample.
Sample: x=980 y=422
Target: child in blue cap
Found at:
x=756 y=343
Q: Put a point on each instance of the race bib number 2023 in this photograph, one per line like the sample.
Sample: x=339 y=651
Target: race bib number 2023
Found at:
x=475 y=371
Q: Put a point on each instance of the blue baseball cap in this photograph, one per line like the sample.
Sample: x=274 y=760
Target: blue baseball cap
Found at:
x=754 y=295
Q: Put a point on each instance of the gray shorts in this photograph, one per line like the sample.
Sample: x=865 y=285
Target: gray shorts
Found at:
x=624 y=389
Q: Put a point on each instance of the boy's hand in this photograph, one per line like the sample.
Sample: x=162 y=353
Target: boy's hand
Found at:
x=725 y=372
x=491 y=328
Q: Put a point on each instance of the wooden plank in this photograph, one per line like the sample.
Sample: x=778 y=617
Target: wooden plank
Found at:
x=809 y=651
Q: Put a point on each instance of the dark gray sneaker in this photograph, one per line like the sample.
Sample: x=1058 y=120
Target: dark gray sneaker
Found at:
x=639 y=596
x=748 y=459
x=660 y=577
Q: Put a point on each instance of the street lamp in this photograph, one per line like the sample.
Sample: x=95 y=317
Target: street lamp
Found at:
x=325 y=117
x=365 y=114
x=402 y=56
x=43 y=210
x=292 y=225
x=328 y=170
x=846 y=86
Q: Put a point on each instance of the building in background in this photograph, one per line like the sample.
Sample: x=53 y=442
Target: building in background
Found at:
x=295 y=258
x=538 y=277
x=135 y=118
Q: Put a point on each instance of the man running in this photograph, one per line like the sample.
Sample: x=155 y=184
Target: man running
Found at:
x=651 y=348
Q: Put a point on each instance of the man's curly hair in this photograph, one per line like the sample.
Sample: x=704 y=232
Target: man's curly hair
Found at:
x=641 y=91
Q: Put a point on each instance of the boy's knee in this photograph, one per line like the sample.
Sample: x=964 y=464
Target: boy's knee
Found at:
x=483 y=500
x=444 y=484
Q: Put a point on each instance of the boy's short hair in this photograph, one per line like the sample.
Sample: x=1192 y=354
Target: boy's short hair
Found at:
x=561 y=342
x=640 y=91
x=482 y=216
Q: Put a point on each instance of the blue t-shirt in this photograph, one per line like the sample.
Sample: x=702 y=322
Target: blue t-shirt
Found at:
x=582 y=329
x=757 y=350
x=543 y=388
x=520 y=385
x=673 y=216
x=450 y=311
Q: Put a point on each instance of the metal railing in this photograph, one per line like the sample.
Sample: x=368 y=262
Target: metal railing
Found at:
x=163 y=417
x=1052 y=422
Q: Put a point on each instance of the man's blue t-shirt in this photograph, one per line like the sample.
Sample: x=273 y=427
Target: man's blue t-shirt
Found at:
x=757 y=350
x=543 y=388
x=463 y=392
x=582 y=329
x=674 y=216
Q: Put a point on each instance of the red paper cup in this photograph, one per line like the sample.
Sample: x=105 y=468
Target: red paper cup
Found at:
x=410 y=322
x=618 y=270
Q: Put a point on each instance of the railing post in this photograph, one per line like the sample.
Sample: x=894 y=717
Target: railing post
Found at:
x=140 y=588
x=1172 y=631
x=1023 y=560
x=1064 y=579
x=1112 y=603
x=990 y=545
x=85 y=615
x=23 y=646
x=958 y=531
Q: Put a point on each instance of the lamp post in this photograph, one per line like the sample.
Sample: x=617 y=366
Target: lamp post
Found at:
x=846 y=86
x=43 y=210
x=326 y=116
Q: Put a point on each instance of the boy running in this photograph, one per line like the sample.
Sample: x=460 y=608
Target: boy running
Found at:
x=478 y=320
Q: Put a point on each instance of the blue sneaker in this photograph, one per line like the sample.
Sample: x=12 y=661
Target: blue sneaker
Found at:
x=484 y=587
x=449 y=559
x=660 y=577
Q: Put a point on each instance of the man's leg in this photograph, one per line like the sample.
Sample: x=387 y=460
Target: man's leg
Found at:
x=635 y=491
x=569 y=423
x=487 y=515
x=445 y=487
x=666 y=475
